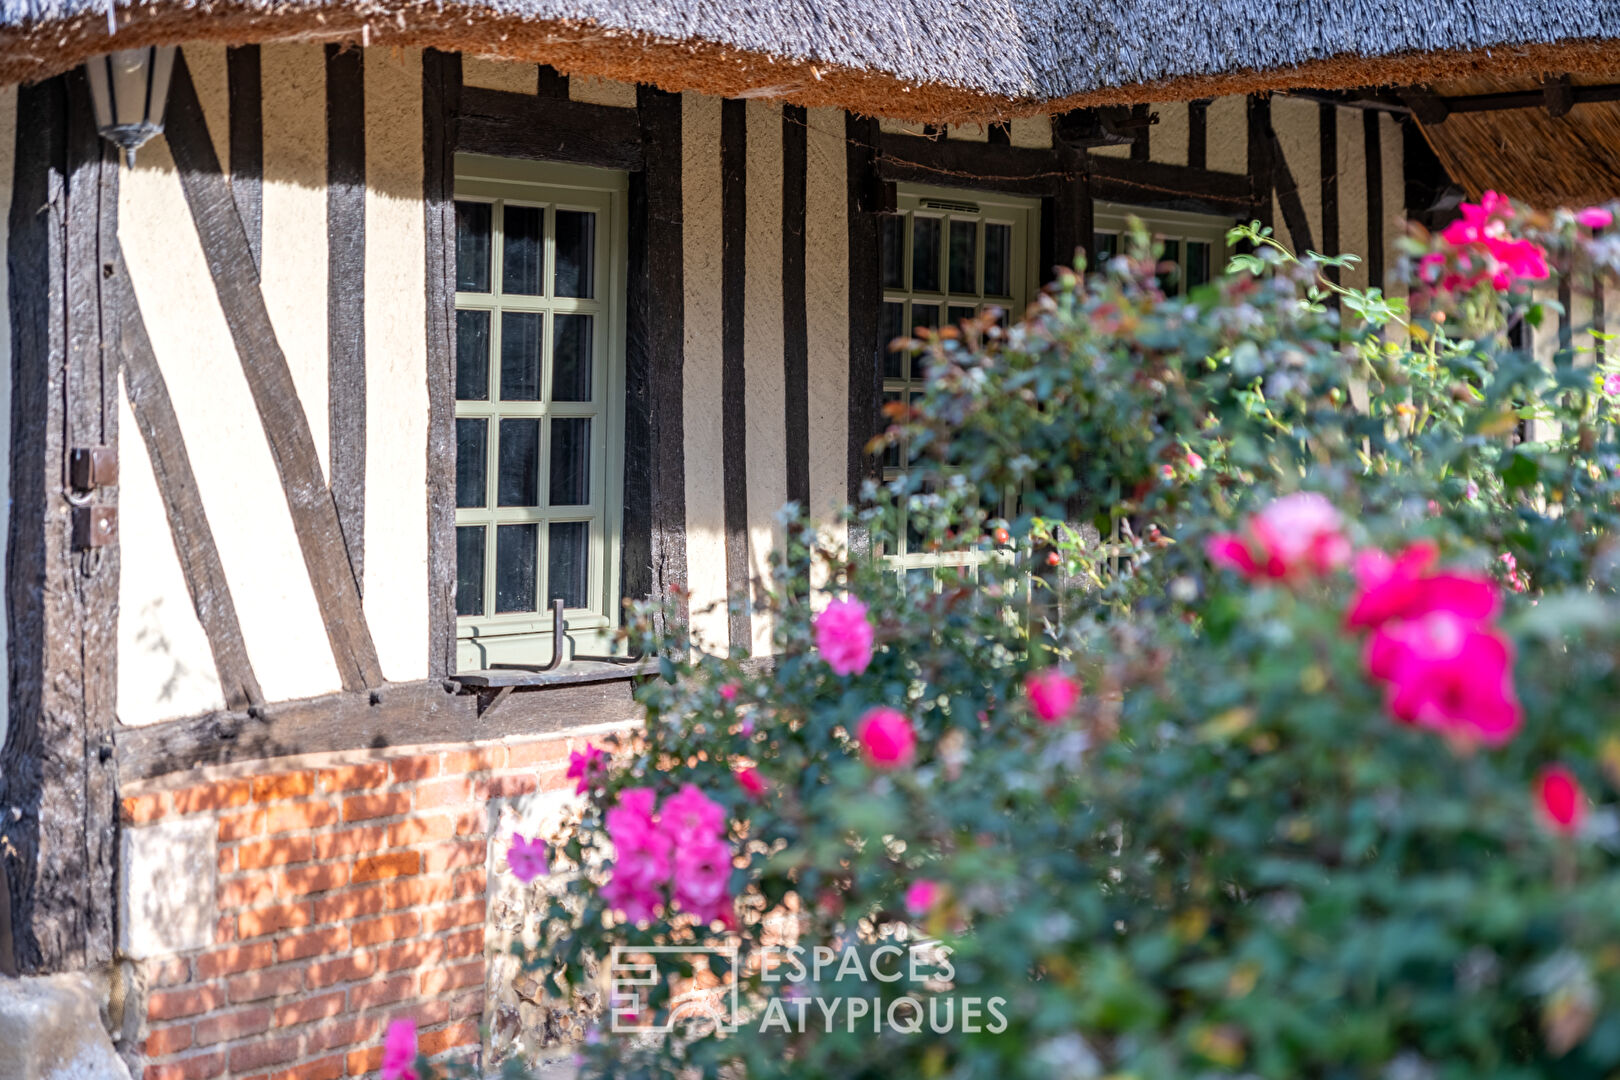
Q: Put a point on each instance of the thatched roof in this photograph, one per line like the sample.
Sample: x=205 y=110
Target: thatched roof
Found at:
x=915 y=59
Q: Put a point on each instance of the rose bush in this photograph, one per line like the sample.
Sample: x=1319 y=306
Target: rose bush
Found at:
x=1272 y=737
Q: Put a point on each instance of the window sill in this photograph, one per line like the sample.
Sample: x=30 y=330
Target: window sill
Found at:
x=571 y=672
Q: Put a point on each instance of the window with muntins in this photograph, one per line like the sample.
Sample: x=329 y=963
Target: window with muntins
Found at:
x=1194 y=244
x=946 y=256
x=540 y=277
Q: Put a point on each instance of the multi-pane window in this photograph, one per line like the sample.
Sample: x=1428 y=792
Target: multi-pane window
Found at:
x=538 y=376
x=947 y=255
x=1194 y=244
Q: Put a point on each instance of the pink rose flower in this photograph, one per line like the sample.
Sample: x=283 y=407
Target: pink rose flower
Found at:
x=690 y=816
x=886 y=738
x=728 y=691
x=588 y=768
x=1051 y=694
x=1296 y=534
x=1406 y=588
x=1611 y=384
x=1194 y=462
x=399 y=1051
x=528 y=859
x=921 y=897
x=1562 y=802
x=703 y=877
x=844 y=636
x=751 y=782
x=1594 y=217
x=1448 y=674
x=642 y=850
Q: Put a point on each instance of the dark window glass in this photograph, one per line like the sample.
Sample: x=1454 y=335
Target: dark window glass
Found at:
x=1104 y=246
x=893 y=326
x=925 y=316
x=891 y=453
x=515 y=562
x=469 y=570
x=523 y=256
x=571 y=358
x=964 y=256
x=1197 y=263
x=894 y=251
x=570 y=461
x=998 y=260
x=472 y=355
x=518 y=480
x=520 y=355
x=1170 y=267
x=568 y=563
x=471 y=458
x=925 y=254
x=576 y=253
x=472 y=246
x=959 y=314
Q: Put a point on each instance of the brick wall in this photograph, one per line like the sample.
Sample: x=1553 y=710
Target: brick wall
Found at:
x=347 y=892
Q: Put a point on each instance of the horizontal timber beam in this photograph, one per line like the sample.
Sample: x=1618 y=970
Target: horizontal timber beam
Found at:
x=536 y=128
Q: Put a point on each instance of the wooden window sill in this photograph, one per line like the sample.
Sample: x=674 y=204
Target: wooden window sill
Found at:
x=571 y=672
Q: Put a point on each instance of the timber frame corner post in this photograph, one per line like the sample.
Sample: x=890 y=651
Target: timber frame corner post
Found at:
x=58 y=770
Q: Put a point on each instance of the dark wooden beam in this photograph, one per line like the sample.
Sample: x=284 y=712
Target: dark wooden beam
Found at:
x=200 y=564
x=1328 y=147
x=286 y=429
x=547 y=129
x=399 y=714
x=733 y=363
x=346 y=297
x=957 y=163
x=1289 y=202
x=1142 y=124
x=1158 y=184
x=441 y=90
x=552 y=83
x=1072 y=211
x=1372 y=151
x=1262 y=181
x=1198 y=134
x=245 y=103
x=795 y=326
x=864 y=182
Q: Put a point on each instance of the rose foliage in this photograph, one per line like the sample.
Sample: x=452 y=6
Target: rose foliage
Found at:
x=1270 y=731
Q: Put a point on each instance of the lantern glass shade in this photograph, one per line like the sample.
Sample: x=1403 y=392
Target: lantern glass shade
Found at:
x=128 y=90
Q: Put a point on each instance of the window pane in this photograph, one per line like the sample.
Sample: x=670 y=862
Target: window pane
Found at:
x=570 y=461
x=472 y=356
x=891 y=453
x=576 y=253
x=520 y=355
x=893 y=326
x=894 y=251
x=568 y=563
x=571 y=358
x=925 y=254
x=472 y=246
x=925 y=316
x=470 y=462
x=515 y=562
x=998 y=260
x=518 y=478
x=1170 y=267
x=958 y=314
x=469 y=570
x=523 y=257
x=1197 y=263
x=964 y=256
x=1104 y=246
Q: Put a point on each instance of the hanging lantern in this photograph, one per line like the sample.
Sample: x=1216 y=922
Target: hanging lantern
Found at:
x=127 y=90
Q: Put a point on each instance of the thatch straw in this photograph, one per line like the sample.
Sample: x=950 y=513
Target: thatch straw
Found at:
x=933 y=60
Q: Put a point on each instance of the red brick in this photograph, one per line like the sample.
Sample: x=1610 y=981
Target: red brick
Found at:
x=227 y=861
x=225 y=929
x=240 y=826
x=365 y=807
x=415 y=891
x=262 y=1052
x=311 y=1008
x=349 y=904
x=244 y=892
x=342 y=1031
x=259 y=985
x=481 y=759
x=540 y=752
x=170 y=972
x=438 y=980
x=354 y=777
x=389 y=928
x=286 y=786
x=449 y=856
x=196 y=1067
x=142 y=809
x=277 y=852
x=223 y=1027
x=270 y=920
x=173 y=1004
x=469 y=883
x=454 y=792
x=327 y=941
x=416 y=768
x=365 y=1061
x=296 y=817
x=425 y=827
x=312 y=879
x=464 y=1033
x=511 y=785
x=465 y=943
x=225 y=793
x=468 y=1005
x=235 y=960
x=327 y=1068
x=340 y=969
x=371 y=994
x=334 y=845
x=394 y=864
x=166 y=1041
x=466 y=913
x=411 y=954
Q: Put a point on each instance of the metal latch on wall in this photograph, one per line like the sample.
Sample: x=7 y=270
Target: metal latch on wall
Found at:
x=90 y=468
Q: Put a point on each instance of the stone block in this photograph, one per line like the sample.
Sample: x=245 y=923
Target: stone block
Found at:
x=51 y=1029
x=168 y=882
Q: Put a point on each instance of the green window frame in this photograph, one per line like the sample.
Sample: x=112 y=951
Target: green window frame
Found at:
x=946 y=254
x=1194 y=244
x=540 y=264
